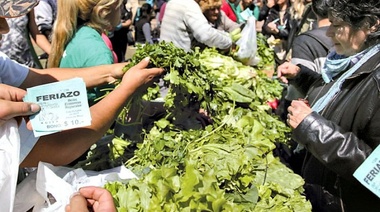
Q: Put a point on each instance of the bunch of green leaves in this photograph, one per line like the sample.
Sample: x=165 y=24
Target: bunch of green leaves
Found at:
x=264 y=52
x=207 y=170
x=225 y=166
x=107 y=153
x=204 y=79
x=231 y=75
x=183 y=75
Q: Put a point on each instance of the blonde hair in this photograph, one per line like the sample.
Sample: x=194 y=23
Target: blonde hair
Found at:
x=297 y=9
x=207 y=4
x=89 y=12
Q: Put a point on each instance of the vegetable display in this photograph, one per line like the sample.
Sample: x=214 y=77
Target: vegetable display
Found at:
x=186 y=165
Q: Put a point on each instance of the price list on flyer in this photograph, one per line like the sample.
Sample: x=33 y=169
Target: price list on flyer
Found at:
x=63 y=104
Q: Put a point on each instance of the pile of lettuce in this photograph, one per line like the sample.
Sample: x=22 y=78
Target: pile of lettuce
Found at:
x=225 y=165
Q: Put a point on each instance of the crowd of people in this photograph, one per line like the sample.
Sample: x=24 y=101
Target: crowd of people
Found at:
x=327 y=53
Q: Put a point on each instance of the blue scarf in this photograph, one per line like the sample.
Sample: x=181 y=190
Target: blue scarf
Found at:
x=334 y=65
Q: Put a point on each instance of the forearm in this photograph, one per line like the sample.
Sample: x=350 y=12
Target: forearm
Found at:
x=265 y=29
x=63 y=147
x=93 y=76
x=146 y=30
x=37 y=36
x=126 y=23
x=213 y=37
x=42 y=42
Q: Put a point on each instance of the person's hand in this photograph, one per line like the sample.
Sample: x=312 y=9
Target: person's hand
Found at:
x=287 y=71
x=140 y=75
x=297 y=111
x=116 y=72
x=204 y=117
x=91 y=198
x=11 y=104
x=272 y=27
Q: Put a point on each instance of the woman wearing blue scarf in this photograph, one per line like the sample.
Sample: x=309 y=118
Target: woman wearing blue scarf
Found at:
x=341 y=128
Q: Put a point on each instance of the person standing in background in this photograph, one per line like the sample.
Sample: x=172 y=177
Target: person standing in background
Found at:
x=184 y=21
x=265 y=6
x=143 y=29
x=251 y=6
x=159 y=4
x=309 y=49
x=17 y=42
x=232 y=9
x=133 y=5
x=302 y=19
x=216 y=18
x=120 y=35
x=77 y=38
x=277 y=27
x=45 y=14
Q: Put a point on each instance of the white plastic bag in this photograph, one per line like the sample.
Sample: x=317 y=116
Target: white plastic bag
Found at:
x=248 y=44
x=9 y=163
x=50 y=187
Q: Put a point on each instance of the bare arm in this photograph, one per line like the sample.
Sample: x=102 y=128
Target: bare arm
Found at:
x=93 y=76
x=63 y=147
x=37 y=36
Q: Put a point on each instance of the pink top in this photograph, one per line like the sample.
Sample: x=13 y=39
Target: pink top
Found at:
x=226 y=8
x=162 y=11
x=109 y=44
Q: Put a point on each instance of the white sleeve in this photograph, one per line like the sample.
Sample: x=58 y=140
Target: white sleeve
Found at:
x=11 y=72
x=44 y=15
x=203 y=32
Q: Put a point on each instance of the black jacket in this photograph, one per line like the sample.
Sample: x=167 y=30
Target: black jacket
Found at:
x=274 y=13
x=345 y=133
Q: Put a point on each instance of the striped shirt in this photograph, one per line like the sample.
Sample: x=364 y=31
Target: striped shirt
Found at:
x=184 y=22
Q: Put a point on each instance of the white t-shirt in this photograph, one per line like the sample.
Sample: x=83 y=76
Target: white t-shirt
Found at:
x=9 y=163
x=12 y=73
